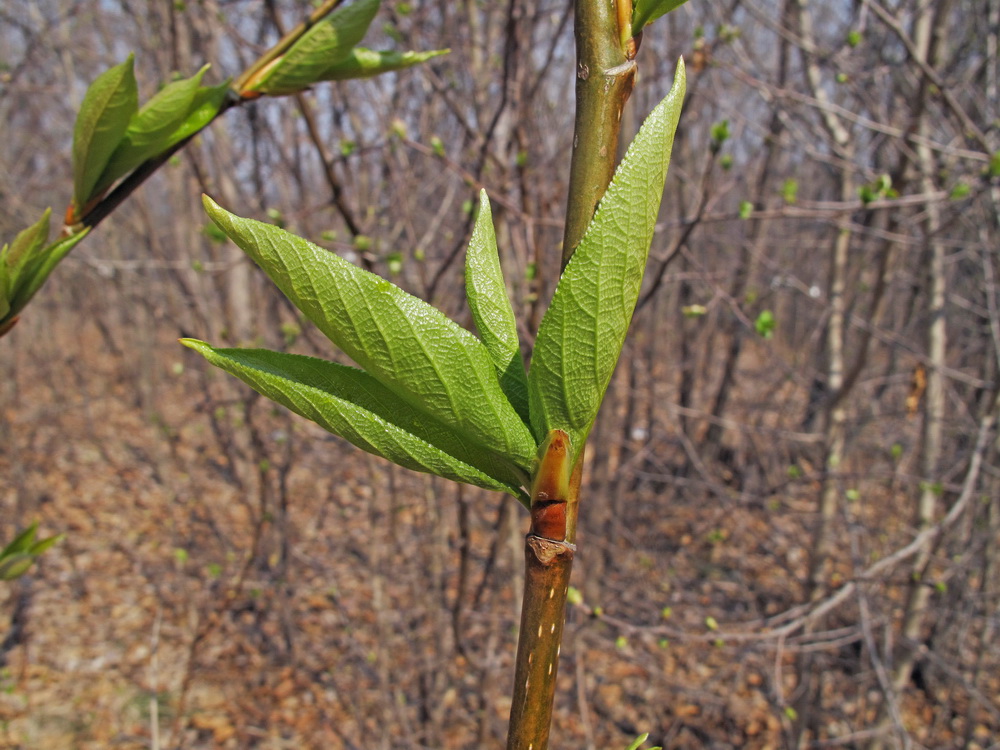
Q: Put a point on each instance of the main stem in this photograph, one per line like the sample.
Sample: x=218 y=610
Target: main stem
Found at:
x=604 y=79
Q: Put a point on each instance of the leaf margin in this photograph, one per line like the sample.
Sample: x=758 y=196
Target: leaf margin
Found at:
x=555 y=403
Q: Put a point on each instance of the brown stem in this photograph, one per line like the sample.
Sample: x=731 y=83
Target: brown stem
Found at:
x=546 y=577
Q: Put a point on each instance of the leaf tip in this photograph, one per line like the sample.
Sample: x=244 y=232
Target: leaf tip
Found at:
x=199 y=346
x=680 y=74
x=216 y=213
x=209 y=204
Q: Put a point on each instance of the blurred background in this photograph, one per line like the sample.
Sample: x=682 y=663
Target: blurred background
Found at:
x=791 y=515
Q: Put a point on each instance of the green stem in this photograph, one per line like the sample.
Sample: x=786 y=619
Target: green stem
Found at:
x=605 y=76
x=604 y=80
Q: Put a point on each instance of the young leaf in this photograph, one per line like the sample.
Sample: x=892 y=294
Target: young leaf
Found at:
x=351 y=403
x=18 y=556
x=43 y=544
x=207 y=103
x=409 y=346
x=22 y=542
x=150 y=129
x=14 y=258
x=319 y=49
x=15 y=566
x=4 y=294
x=644 y=12
x=105 y=113
x=581 y=335
x=365 y=63
x=37 y=270
x=637 y=743
x=490 y=305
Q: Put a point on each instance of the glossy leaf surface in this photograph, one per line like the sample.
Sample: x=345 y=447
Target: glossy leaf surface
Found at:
x=351 y=403
x=409 y=346
x=491 y=309
x=581 y=336
x=105 y=113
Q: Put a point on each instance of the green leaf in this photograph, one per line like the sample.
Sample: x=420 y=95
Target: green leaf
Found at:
x=105 y=113
x=960 y=190
x=644 y=12
x=37 y=270
x=150 y=129
x=15 y=566
x=44 y=544
x=491 y=309
x=318 y=50
x=25 y=246
x=409 y=346
x=720 y=133
x=765 y=324
x=21 y=543
x=581 y=335
x=637 y=743
x=994 y=169
x=17 y=557
x=366 y=63
x=206 y=105
x=16 y=256
x=351 y=403
x=790 y=190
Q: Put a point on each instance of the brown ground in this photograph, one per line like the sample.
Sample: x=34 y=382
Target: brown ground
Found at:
x=183 y=589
